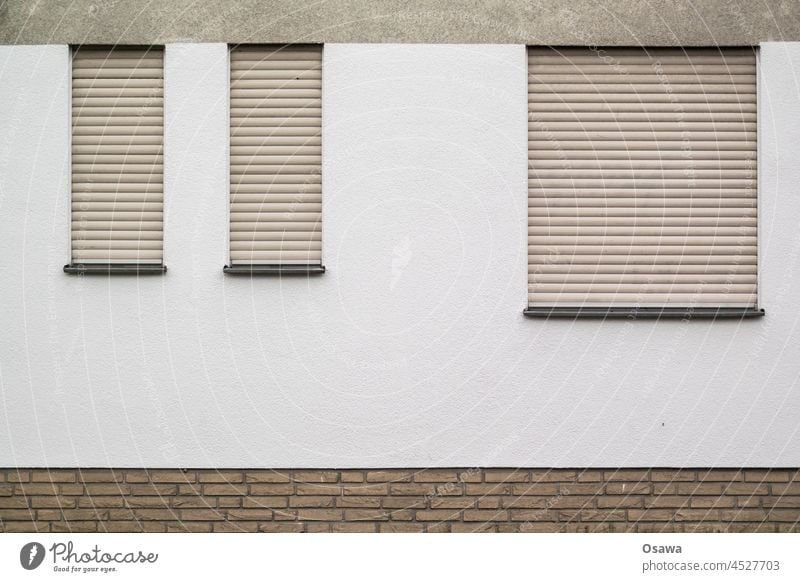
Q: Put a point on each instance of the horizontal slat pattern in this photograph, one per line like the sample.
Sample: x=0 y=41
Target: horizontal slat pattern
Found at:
x=117 y=161
x=642 y=177
x=276 y=155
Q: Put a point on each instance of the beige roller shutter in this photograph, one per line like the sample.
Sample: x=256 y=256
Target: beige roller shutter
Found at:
x=117 y=162
x=642 y=177
x=276 y=155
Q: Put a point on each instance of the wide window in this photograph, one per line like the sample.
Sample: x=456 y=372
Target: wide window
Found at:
x=642 y=182
x=275 y=159
x=117 y=161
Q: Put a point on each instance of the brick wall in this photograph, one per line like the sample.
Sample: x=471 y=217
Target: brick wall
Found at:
x=423 y=500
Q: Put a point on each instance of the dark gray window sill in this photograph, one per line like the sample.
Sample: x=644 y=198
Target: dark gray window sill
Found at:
x=273 y=270
x=644 y=312
x=114 y=269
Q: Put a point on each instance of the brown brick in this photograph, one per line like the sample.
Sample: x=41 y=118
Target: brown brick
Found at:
x=143 y=514
x=173 y=477
x=712 y=502
x=200 y=515
x=531 y=502
x=147 y=501
x=475 y=527
x=51 y=502
x=18 y=476
x=437 y=515
x=371 y=489
x=39 y=489
x=225 y=489
x=539 y=488
x=73 y=526
x=400 y=502
x=275 y=489
x=357 y=527
x=257 y=502
x=249 y=514
x=153 y=489
x=590 y=476
x=351 y=476
x=532 y=515
x=311 y=501
x=365 y=515
x=101 y=501
x=487 y=515
x=25 y=527
x=719 y=475
x=628 y=488
x=664 y=501
x=353 y=501
x=235 y=527
x=188 y=526
x=746 y=489
x=100 y=476
x=555 y=475
x=390 y=476
x=267 y=477
x=270 y=527
x=700 y=488
x=671 y=475
x=489 y=502
x=507 y=476
x=399 y=527
x=766 y=475
x=651 y=514
x=593 y=515
x=107 y=489
x=696 y=515
x=54 y=476
x=785 y=488
x=743 y=515
x=626 y=501
x=220 y=477
x=319 y=514
x=503 y=488
x=436 y=476
x=17 y=515
x=627 y=475
x=782 y=502
x=315 y=477
x=137 y=476
x=452 y=502
x=192 y=502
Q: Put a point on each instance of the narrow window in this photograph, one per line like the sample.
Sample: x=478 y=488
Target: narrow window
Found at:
x=117 y=160
x=642 y=182
x=276 y=159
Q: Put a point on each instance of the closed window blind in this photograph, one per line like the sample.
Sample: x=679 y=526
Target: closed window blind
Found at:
x=276 y=155
x=642 y=177
x=117 y=162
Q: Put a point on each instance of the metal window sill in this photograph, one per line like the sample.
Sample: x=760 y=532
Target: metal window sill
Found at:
x=114 y=269
x=644 y=312
x=273 y=270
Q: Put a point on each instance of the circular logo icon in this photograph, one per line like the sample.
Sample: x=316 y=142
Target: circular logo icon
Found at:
x=31 y=555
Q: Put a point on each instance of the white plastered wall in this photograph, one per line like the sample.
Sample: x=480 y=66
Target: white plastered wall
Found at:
x=412 y=349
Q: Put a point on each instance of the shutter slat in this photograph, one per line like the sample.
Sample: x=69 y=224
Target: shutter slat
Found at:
x=642 y=177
